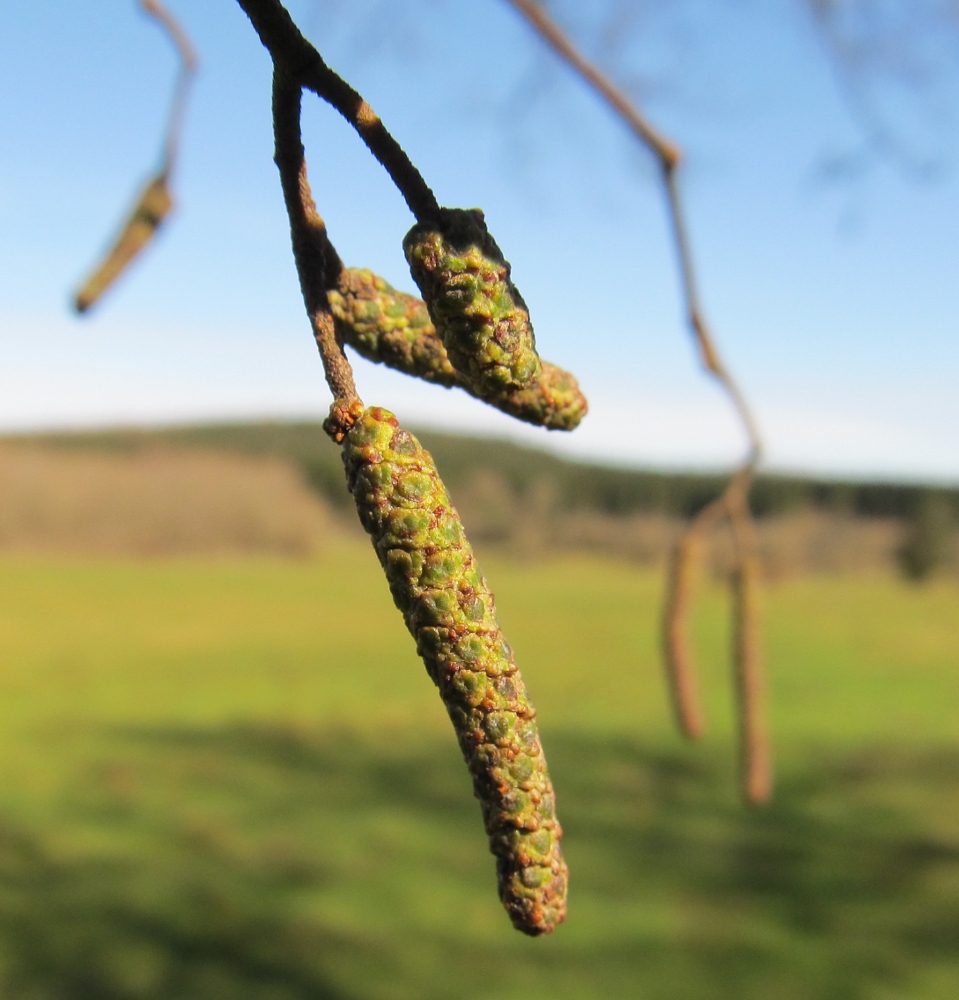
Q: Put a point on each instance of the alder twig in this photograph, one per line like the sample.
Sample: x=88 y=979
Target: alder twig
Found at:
x=670 y=158
x=312 y=249
x=181 y=91
x=733 y=503
x=154 y=202
x=302 y=63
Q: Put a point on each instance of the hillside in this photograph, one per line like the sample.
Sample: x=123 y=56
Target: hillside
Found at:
x=530 y=499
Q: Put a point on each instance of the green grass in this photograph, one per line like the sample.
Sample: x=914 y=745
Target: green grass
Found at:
x=234 y=779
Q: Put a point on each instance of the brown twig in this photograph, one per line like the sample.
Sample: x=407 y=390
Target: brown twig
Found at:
x=155 y=202
x=302 y=63
x=733 y=503
x=312 y=250
x=188 y=68
x=670 y=158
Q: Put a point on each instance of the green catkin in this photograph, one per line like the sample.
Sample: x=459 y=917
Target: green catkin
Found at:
x=389 y=327
x=449 y=610
x=393 y=328
x=478 y=312
x=152 y=207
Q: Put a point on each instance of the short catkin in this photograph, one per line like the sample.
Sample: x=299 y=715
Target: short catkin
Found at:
x=151 y=208
x=392 y=328
x=478 y=312
x=449 y=610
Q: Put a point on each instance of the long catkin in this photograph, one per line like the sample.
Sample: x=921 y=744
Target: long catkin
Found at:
x=392 y=328
x=684 y=567
x=449 y=610
x=477 y=310
x=755 y=757
x=152 y=207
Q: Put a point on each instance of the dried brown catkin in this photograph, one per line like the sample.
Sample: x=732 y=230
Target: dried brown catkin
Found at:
x=755 y=758
x=151 y=208
x=449 y=610
x=685 y=565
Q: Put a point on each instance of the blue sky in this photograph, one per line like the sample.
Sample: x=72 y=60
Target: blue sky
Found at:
x=835 y=304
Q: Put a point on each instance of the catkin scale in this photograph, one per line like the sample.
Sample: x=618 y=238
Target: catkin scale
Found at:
x=392 y=328
x=684 y=567
x=477 y=310
x=449 y=610
x=151 y=208
x=755 y=759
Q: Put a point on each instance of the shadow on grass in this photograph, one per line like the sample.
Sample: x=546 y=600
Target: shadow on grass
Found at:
x=267 y=863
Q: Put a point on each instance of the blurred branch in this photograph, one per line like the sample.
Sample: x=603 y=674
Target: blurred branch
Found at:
x=669 y=156
x=899 y=42
x=733 y=503
x=188 y=68
x=155 y=202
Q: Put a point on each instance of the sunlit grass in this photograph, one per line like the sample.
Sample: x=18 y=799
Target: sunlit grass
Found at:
x=232 y=778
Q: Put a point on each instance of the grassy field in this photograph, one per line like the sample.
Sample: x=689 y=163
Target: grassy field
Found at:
x=233 y=779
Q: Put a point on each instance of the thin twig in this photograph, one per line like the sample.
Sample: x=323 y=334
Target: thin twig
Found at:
x=670 y=157
x=733 y=503
x=303 y=64
x=181 y=92
x=155 y=201
x=308 y=235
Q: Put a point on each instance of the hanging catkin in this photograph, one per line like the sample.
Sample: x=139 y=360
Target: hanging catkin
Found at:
x=151 y=208
x=393 y=328
x=478 y=312
x=755 y=762
x=449 y=610
x=684 y=567
x=388 y=326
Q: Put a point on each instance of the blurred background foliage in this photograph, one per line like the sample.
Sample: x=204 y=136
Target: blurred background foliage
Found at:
x=279 y=486
x=228 y=775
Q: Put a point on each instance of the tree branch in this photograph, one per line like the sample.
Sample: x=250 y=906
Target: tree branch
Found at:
x=302 y=63
x=311 y=248
x=181 y=92
x=733 y=503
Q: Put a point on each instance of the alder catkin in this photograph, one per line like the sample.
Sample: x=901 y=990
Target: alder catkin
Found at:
x=392 y=328
x=684 y=567
x=449 y=610
x=478 y=312
x=388 y=326
x=151 y=208
x=755 y=758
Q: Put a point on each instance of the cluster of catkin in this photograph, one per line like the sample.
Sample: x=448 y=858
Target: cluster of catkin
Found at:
x=395 y=329
x=471 y=330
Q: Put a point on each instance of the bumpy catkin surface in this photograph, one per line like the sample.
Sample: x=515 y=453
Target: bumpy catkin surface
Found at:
x=393 y=328
x=478 y=312
x=449 y=609
x=389 y=327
